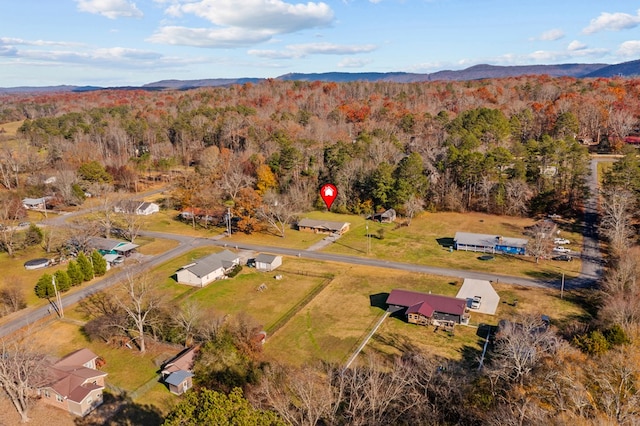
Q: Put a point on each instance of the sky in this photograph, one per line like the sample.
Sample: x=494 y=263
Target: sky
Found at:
x=127 y=42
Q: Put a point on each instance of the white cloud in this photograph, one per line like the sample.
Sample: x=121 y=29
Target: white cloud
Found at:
x=629 y=48
x=353 y=62
x=240 y=22
x=297 y=51
x=576 y=45
x=8 y=41
x=209 y=37
x=271 y=15
x=551 y=35
x=612 y=22
x=111 y=9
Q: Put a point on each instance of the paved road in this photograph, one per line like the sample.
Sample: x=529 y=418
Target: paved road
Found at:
x=591 y=266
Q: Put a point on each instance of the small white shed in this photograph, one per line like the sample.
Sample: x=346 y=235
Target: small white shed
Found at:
x=268 y=262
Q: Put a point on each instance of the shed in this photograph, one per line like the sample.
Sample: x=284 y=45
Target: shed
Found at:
x=177 y=373
x=268 y=262
x=387 y=216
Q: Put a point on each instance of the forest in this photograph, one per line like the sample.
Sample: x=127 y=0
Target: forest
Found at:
x=515 y=146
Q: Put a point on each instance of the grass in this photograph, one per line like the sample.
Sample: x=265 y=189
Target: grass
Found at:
x=426 y=241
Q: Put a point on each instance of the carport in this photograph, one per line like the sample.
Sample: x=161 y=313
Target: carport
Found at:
x=483 y=288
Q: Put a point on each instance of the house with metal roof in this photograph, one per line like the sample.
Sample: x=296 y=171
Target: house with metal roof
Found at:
x=489 y=243
x=177 y=373
x=323 y=226
x=427 y=308
x=111 y=246
x=207 y=269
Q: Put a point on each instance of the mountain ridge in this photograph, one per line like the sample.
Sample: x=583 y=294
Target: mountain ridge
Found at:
x=475 y=72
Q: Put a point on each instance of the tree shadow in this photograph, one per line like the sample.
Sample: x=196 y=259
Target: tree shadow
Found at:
x=121 y=410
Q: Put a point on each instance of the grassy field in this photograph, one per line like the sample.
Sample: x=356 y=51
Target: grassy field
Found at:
x=427 y=240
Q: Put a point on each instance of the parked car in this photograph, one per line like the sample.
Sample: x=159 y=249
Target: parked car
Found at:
x=561 y=241
x=561 y=249
x=475 y=302
x=563 y=258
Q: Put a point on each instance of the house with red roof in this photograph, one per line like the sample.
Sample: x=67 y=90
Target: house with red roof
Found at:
x=76 y=384
x=427 y=308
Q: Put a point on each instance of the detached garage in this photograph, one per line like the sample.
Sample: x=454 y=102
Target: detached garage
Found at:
x=268 y=262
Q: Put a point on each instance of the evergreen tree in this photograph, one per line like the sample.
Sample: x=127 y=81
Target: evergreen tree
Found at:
x=85 y=267
x=63 y=282
x=74 y=273
x=99 y=263
x=44 y=287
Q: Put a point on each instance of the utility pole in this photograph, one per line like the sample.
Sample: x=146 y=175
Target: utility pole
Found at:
x=228 y=221
x=562 y=287
x=368 y=240
x=58 y=298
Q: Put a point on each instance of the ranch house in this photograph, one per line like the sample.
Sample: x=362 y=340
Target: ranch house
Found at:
x=207 y=269
x=426 y=308
x=487 y=243
x=323 y=226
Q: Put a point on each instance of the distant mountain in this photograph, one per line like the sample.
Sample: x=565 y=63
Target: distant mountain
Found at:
x=625 y=69
x=192 y=84
x=476 y=72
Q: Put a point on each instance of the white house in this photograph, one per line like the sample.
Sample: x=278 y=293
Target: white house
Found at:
x=35 y=203
x=268 y=262
x=136 y=207
x=207 y=269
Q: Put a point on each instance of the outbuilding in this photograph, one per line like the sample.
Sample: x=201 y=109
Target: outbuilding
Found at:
x=268 y=262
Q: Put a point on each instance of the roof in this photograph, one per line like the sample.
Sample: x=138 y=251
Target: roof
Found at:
x=426 y=304
x=71 y=376
x=483 y=288
x=183 y=361
x=79 y=357
x=178 y=377
x=488 y=240
x=213 y=262
x=109 y=244
x=322 y=224
x=34 y=201
x=266 y=258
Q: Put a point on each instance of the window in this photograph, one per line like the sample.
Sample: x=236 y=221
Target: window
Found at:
x=46 y=393
x=59 y=398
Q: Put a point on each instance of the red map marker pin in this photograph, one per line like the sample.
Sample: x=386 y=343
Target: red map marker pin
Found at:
x=328 y=192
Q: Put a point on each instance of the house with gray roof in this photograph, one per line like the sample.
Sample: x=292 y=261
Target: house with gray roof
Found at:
x=136 y=207
x=323 y=226
x=489 y=243
x=207 y=269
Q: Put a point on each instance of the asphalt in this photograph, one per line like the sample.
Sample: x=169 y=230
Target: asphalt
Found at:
x=590 y=273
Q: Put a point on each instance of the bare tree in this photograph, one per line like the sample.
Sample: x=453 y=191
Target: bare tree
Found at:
x=302 y=396
x=413 y=206
x=22 y=369
x=12 y=297
x=187 y=317
x=520 y=346
x=11 y=211
x=278 y=211
x=234 y=179
x=541 y=239
x=617 y=211
x=140 y=302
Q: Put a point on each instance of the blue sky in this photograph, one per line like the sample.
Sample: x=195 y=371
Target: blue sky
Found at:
x=126 y=42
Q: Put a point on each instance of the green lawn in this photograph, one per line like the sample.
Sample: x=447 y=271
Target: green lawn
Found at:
x=427 y=240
